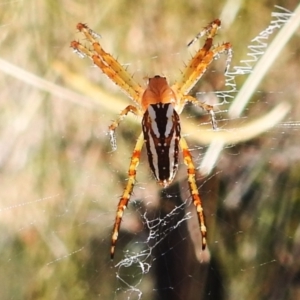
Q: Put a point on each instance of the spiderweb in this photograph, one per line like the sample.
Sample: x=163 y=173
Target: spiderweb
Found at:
x=160 y=228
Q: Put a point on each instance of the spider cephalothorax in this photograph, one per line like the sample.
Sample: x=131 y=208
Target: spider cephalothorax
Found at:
x=159 y=105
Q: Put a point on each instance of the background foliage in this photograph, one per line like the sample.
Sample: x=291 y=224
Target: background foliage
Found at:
x=60 y=183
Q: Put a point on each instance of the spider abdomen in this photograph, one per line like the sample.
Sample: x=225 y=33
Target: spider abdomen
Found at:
x=161 y=128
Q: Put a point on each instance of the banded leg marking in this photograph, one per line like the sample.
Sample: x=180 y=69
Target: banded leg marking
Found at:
x=135 y=159
x=107 y=63
x=187 y=157
x=115 y=124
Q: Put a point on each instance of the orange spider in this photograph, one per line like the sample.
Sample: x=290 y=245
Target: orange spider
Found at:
x=159 y=105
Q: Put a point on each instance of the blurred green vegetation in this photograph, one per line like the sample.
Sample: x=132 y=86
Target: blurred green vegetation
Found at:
x=60 y=183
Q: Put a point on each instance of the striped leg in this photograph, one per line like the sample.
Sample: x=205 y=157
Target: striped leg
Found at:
x=207 y=107
x=193 y=188
x=107 y=63
x=115 y=124
x=127 y=192
x=202 y=59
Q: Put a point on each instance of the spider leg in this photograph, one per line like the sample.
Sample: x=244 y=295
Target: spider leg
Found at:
x=107 y=63
x=127 y=192
x=115 y=124
x=212 y=27
x=202 y=59
x=193 y=188
x=207 y=107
